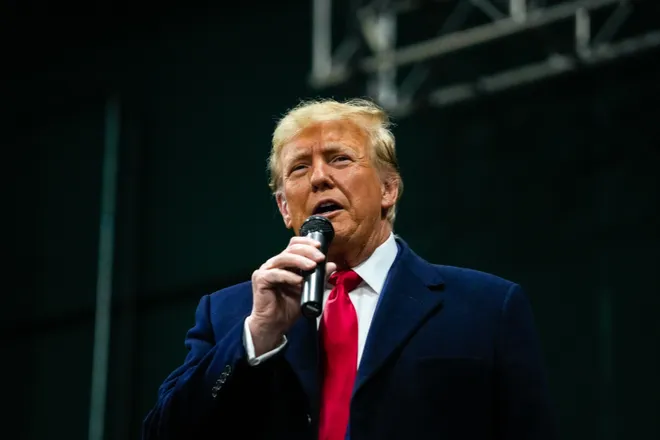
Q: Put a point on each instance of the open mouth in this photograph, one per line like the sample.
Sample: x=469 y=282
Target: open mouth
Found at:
x=326 y=208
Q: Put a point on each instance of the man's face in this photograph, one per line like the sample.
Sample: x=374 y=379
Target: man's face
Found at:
x=328 y=170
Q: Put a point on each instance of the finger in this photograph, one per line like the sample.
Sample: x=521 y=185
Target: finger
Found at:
x=279 y=276
x=329 y=268
x=290 y=261
x=291 y=291
x=306 y=250
x=304 y=240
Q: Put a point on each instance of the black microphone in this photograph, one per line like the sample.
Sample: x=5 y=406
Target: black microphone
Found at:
x=320 y=229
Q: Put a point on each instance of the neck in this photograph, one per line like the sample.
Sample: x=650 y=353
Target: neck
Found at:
x=353 y=252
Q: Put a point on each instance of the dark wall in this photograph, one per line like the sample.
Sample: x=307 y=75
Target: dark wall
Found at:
x=554 y=186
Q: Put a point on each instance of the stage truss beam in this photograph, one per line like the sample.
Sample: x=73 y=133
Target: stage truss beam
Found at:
x=378 y=34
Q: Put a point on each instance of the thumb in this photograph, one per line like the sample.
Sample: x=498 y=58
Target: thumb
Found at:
x=329 y=268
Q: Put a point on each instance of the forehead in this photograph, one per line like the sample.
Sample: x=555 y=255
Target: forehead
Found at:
x=324 y=135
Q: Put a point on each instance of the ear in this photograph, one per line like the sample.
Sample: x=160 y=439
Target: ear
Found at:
x=284 y=209
x=389 y=191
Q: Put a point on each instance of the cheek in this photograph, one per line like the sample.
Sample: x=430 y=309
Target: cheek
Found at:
x=295 y=198
x=366 y=189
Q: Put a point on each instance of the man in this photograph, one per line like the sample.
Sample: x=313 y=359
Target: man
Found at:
x=403 y=349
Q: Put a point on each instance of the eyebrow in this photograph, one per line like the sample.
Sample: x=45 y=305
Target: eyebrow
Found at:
x=331 y=148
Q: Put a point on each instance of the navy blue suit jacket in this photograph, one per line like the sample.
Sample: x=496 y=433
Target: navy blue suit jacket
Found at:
x=451 y=354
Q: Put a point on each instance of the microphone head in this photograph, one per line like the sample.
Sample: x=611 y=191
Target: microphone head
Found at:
x=318 y=223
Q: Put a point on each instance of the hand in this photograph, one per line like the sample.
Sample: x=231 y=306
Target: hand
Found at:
x=276 y=289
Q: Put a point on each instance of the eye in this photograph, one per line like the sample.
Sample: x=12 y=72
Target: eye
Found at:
x=297 y=168
x=341 y=158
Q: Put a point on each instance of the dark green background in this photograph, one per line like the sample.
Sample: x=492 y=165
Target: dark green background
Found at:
x=554 y=186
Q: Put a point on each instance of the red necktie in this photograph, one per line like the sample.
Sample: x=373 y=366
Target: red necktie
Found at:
x=339 y=334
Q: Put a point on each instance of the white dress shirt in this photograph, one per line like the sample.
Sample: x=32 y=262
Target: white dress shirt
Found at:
x=373 y=272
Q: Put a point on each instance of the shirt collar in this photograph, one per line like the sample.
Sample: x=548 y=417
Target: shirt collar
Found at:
x=374 y=269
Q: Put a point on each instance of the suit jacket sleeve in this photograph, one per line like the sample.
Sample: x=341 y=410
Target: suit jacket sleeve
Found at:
x=523 y=402
x=215 y=389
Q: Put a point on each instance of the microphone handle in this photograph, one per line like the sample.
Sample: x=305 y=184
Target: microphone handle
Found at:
x=311 y=300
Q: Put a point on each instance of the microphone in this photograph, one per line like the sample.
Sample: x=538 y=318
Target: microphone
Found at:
x=320 y=229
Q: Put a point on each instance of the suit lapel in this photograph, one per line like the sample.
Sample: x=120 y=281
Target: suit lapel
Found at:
x=303 y=356
x=412 y=292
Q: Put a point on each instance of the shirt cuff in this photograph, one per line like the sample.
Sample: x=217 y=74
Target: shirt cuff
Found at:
x=249 y=347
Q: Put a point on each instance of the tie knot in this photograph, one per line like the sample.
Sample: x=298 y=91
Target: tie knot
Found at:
x=349 y=279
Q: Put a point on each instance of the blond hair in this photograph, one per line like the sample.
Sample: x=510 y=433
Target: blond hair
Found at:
x=363 y=113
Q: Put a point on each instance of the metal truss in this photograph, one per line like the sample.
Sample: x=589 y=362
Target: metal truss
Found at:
x=371 y=49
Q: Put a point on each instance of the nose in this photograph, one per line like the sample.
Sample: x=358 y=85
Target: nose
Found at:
x=320 y=177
